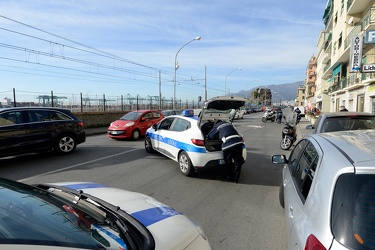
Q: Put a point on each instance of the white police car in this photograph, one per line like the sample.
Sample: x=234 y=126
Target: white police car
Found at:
x=90 y=216
x=182 y=137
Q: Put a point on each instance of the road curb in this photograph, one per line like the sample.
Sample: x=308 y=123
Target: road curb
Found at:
x=95 y=131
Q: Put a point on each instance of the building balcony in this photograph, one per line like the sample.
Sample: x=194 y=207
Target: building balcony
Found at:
x=368 y=20
x=356 y=6
x=327 y=66
x=328 y=20
x=352 y=81
x=368 y=78
x=309 y=94
x=311 y=84
x=326 y=57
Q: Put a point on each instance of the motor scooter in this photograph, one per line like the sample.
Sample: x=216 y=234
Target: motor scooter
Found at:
x=289 y=133
x=269 y=116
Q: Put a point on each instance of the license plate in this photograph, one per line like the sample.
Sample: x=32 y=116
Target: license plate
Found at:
x=221 y=162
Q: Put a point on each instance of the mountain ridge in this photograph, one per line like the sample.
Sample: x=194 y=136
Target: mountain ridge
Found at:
x=285 y=91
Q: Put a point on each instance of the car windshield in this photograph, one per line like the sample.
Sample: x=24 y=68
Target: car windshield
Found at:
x=131 y=116
x=348 y=123
x=30 y=216
x=167 y=112
x=353 y=211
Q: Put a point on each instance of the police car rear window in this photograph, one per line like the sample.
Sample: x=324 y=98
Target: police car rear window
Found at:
x=181 y=125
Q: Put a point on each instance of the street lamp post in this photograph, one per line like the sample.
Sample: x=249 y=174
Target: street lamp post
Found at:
x=176 y=67
x=225 y=84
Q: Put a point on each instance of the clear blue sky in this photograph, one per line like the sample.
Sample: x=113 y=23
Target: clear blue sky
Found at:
x=118 y=47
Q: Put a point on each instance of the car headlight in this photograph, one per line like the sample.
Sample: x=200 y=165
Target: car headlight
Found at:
x=129 y=124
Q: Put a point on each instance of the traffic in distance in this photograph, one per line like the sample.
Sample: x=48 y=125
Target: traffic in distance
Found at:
x=305 y=180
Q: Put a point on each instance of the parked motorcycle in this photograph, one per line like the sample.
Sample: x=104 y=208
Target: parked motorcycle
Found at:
x=269 y=116
x=289 y=133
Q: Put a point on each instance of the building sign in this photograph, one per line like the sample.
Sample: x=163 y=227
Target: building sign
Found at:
x=356 y=53
x=370 y=36
x=368 y=68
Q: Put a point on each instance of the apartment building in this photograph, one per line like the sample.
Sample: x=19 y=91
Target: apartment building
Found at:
x=310 y=83
x=349 y=28
x=301 y=96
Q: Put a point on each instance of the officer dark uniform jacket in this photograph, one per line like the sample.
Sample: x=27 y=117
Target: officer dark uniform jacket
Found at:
x=231 y=146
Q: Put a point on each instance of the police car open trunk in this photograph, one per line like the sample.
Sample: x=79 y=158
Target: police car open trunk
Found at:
x=217 y=108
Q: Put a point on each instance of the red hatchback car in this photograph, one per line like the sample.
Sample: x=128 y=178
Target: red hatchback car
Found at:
x=134 y=124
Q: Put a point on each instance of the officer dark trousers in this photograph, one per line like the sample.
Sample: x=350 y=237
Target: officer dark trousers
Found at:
x=233 y=162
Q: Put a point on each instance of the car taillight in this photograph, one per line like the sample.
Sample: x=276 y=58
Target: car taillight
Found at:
x=312 y=243
x=80 y=124
x=197 y=142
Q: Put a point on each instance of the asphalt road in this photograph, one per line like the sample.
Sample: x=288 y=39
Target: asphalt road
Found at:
x=246 y=215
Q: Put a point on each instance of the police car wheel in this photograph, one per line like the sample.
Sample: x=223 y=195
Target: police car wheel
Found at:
x=185 y=164
x=148 y=145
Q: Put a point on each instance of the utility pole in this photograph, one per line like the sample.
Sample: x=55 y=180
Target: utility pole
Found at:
x=159 y=90
x=205 y=84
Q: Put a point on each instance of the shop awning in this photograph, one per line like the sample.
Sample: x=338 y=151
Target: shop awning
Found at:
x=337 y=70
x=328 y=8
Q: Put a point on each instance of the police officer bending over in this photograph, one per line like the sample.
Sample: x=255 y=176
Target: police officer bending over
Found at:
x=231 y=146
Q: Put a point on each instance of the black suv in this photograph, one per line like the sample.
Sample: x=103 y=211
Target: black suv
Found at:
x=38 y=129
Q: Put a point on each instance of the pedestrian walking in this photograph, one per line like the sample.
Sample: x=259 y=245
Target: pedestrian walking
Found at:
x=279 y=115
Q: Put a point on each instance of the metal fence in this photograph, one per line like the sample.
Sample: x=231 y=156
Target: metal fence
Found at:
x=91 y=103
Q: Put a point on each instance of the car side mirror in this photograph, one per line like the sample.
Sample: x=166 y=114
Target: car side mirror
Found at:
x=309 y=126
x=155 y=126
x=279 y=159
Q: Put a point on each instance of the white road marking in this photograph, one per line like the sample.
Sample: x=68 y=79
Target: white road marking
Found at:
x=77 y=165
x=254 y=126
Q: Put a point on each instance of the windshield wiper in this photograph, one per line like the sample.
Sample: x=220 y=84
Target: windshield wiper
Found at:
x=99 y=210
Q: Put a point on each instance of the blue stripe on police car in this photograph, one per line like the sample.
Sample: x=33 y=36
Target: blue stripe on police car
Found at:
x=178 y=144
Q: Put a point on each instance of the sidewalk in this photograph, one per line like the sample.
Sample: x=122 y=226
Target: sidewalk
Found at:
x=301 y=128
x=96 y=131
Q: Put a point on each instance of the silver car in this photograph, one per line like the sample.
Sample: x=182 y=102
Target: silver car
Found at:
x=339 y=121
x=328 y=191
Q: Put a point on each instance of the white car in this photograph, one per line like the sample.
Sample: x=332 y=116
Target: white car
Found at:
x=85 y=215
x=182 y=137
x=239 y=114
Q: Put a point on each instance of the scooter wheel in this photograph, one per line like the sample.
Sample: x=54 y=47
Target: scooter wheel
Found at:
x=264 y=119
x=286 y=143
x=273 y=120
